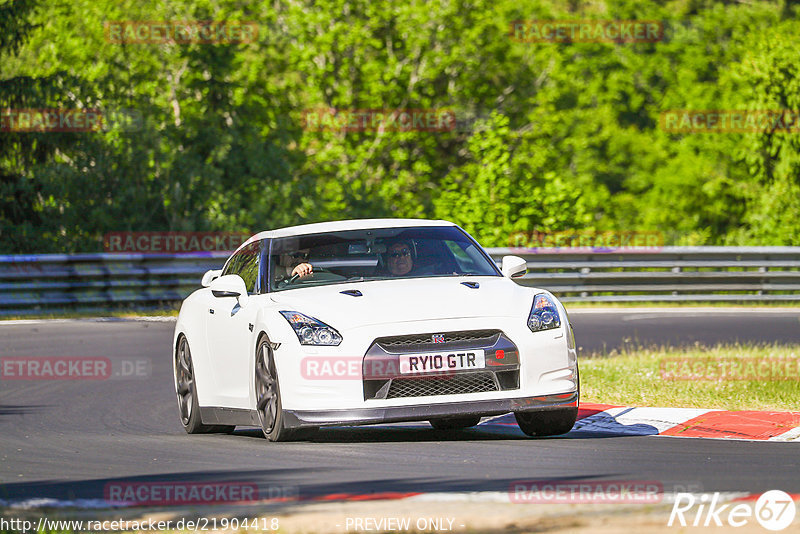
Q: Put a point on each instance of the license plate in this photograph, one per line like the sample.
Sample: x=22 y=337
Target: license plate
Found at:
x=435 y=362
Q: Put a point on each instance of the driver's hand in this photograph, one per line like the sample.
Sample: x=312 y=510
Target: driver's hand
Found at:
x=303 y=270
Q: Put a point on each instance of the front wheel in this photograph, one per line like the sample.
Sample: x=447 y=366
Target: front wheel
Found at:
x=186 y=388
x=268 y=399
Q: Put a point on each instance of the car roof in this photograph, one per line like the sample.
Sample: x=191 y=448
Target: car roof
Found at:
x=338 y=226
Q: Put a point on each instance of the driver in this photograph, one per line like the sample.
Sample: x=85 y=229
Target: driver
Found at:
x=293 y=264
x=398 y=258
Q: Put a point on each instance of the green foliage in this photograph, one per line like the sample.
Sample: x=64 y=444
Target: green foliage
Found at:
x=551 y=136
x=772 y=159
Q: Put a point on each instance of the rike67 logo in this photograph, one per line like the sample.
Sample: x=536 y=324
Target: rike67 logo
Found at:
x=774 y=510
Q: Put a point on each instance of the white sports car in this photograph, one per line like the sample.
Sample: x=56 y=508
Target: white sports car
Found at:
x=371 y=321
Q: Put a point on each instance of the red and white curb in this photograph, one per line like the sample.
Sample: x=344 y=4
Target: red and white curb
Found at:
x=690 y=422
x=678 y=422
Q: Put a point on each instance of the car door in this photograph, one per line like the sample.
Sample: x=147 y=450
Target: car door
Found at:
x=228 y=331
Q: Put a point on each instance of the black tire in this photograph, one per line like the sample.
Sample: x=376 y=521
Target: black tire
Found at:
x=268 y=399
x=455 y=423
x=550 y=422
x=547 y=422
x=186 y=390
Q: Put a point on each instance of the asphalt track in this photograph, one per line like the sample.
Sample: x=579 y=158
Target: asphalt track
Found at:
x=66 y=440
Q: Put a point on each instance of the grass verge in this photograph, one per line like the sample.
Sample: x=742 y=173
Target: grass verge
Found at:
x=729 y=377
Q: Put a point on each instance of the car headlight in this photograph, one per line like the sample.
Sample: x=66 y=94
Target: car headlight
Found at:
x=310 y=331
x=544 y=314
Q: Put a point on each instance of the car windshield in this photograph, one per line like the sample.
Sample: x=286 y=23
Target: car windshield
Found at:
x=375 y=254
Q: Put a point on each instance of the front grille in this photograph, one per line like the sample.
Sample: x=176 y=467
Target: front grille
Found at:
x=442 y=385
x=473 y=338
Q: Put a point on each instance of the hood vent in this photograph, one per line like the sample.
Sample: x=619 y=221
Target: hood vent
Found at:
x=351 y=292
x=471 y=285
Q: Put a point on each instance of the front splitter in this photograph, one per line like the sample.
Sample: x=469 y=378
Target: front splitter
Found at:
x=423 y=412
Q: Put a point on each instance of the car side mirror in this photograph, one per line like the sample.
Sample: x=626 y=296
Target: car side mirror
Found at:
x=514 y=266
x=210 y=276
x=230 y=285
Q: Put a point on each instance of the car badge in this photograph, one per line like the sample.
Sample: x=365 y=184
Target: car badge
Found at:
x=438 y=338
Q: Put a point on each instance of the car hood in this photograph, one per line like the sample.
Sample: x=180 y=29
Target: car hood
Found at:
x=393 y=301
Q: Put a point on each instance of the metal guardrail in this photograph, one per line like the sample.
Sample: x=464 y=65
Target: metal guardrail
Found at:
x=704 y=274
x=31 y=283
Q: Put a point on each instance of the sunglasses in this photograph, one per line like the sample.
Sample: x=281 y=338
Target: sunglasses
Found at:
x=299 y=255
x=400 y=253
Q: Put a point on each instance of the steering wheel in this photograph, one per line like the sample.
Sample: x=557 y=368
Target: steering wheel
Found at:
x=295 y=277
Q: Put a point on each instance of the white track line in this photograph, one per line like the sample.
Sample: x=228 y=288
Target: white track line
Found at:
x=792 y=435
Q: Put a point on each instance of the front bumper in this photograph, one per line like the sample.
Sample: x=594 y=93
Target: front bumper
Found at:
x=546 y=366
x=393 y=414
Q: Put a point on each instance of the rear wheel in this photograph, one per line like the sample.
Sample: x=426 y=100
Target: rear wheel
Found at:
x=455 y=423
x=186 y=389
x=268 y=399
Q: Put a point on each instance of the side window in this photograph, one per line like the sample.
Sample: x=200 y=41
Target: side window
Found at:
x=245 y=264
x=248 y=268
x=232 y=266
